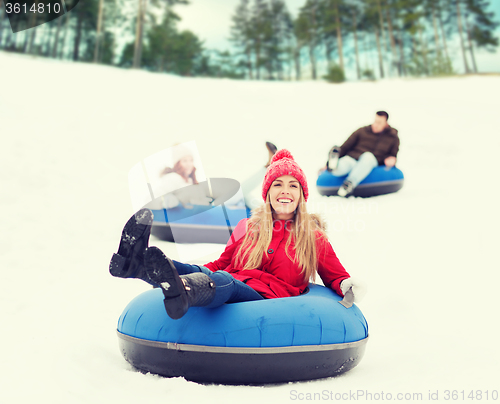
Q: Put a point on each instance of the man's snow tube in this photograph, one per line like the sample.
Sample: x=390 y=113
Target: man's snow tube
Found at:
x=380 y=181
x=196 y=224
x=305 y=337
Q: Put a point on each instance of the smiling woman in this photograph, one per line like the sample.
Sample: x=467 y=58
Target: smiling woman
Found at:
x=284 y=197
x=273 y=254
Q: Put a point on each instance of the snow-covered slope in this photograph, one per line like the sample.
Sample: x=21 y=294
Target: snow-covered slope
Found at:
x=70 y=134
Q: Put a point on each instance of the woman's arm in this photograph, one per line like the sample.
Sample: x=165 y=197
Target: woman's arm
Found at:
x=232 y=248
x=330 y=269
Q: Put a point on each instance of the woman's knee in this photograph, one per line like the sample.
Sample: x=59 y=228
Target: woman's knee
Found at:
x=225 y=287
x=205 y=270
x=222 y=278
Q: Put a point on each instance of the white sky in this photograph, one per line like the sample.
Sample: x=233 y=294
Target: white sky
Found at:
x=211 y=19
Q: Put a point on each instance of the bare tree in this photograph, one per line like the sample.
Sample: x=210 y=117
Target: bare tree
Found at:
x=98 y=35
x=460 y=34
x=392 y=39
x=443 y=33
x=136 y=64
x=380 y=57
x=469 y=40
x=355 y=36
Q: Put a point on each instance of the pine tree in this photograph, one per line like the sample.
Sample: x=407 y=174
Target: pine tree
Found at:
x=99 y=30
x=112 y=17
x=141 y=18
x=278 y=36
x=334 y=18
x=432 y=14
x=289 y=40
x=160 y=52
x=327 y=30
x=370 y=23
x=188 y=49
x=290 y=46
x=438 y=61
x=460 y=34
x=355 y=12
x=168 y=50
x=2 y=18
x=67 y=20
x=53 y=51
x=391 y=13
x=412 y=27
x=480 y=31
x=308 y=31
x=86 y=16
x=139 y=29
x=260 y=33
x=442 y=6
x=241 y=34
x=300 y=42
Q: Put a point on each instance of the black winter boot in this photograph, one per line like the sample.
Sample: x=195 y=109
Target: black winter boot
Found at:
x=180 y=291
x=272 y=149
x=129 y=261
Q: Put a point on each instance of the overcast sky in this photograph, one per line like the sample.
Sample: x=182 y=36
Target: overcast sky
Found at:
x=211 y=19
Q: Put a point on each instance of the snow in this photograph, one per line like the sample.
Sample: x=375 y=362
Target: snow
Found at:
x=71 y=133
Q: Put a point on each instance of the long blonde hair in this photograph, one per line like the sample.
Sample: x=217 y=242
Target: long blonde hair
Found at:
x=306 y=230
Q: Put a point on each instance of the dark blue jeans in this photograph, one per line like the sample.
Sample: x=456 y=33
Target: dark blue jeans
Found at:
x=228 y=289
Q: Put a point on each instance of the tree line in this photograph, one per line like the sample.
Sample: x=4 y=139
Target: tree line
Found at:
x=363 y=38
x=396 y=37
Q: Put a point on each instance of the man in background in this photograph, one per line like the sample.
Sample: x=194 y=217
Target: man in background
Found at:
x=368 y=147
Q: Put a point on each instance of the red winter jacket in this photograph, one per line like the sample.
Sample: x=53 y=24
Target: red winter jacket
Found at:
x=277 y=275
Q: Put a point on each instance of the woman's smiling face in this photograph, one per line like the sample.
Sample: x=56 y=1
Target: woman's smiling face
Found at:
x=186 y=164
x=284 y=195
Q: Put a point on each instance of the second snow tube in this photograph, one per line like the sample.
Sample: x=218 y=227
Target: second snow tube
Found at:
x=194 y=223
x=197 y=224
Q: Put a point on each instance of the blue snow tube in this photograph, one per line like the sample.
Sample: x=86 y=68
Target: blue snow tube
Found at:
x=380 y=181
x=305 y=337
x=191 y=223
x=196 y=224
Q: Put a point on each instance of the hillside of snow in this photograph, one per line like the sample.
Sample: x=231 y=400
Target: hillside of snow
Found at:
x=71 y=133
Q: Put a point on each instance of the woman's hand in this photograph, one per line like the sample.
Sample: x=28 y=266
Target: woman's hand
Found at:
x=358 y=288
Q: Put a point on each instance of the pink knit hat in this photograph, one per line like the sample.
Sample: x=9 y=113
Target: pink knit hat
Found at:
x=283 y=163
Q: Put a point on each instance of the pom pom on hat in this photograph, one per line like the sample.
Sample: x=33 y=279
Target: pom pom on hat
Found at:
x=283 y=163
x=282 y=154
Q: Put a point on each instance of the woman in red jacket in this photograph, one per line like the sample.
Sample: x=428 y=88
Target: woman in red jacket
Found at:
x=273 y=254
